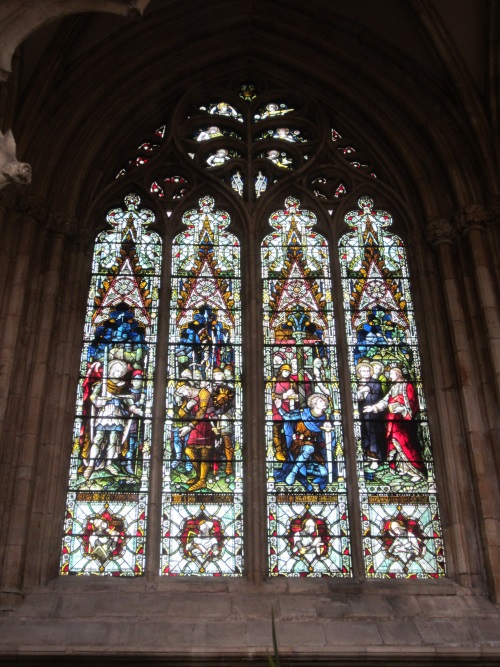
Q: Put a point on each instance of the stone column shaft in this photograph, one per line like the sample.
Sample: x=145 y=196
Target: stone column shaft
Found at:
x=454 y=482
x=21 y=503
x=487 y=491
x=472 y=219
x=55 y=442
x=8 y=237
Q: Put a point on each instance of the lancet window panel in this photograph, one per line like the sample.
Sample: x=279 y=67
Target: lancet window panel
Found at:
x=306 y=474
x=106 y=511
x=402 y=535
x=202 y=530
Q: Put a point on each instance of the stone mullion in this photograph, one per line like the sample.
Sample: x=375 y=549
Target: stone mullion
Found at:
x=155 y=498
x=256 y=537
x=487 y=492
x=21 y=506
x=472 y=219
x=461 y=539
x=58 y=413
x=347 y=415
x=484 y=372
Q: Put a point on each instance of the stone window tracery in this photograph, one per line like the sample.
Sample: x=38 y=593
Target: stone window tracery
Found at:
x=329 y=453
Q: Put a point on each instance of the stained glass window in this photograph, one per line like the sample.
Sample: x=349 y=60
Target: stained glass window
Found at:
x=307 y=505
x=202 y=494
x=401 y=526
x=237 y=141
x=106 y=511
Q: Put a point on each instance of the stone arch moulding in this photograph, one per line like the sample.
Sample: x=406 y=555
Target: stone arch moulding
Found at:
x=380 y=85
x=20 y=19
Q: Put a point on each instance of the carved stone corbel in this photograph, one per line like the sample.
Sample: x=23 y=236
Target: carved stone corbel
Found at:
x=61 y=225
x=12 y=172
x=440 y=231
x=472 y=216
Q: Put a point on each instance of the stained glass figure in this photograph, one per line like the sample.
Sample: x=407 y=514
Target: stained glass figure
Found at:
x=271 y=110
x=279 y=158
x=260 y=184
x=221 y=156
x=248 y=92
x=283 y=133
x=307 y=503
x=105 y=525
x=214 y=132
x=202 y=487
x=222 y=109
x=401 y=526
x=218 y=158
x=237 y=183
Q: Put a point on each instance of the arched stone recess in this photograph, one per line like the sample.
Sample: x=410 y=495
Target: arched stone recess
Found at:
x=430 y=166
x=141 y=103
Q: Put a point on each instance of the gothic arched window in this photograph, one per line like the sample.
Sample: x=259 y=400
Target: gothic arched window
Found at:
x=106 y=513
x=288 y=178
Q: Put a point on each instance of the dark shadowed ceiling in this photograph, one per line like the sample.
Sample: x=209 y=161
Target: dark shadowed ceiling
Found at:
x=393 y=21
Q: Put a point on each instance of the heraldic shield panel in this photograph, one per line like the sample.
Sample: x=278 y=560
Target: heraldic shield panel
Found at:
x=401 y=527
x=306 y=478
x=202 y=479
x=105 y=522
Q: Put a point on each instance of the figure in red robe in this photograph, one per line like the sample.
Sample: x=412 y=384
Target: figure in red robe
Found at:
x=403 y=446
